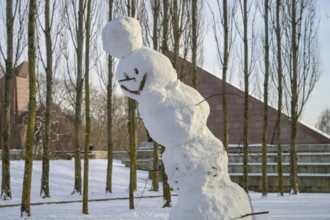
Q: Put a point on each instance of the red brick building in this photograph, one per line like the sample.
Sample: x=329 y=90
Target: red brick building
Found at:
x=19 y=104
x=210 y=85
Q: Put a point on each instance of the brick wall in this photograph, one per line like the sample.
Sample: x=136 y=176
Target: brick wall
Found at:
x=210 y=85
x=19 y=103
x=22 y=93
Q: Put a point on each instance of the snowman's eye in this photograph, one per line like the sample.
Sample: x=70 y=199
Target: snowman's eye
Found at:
x=136 y=71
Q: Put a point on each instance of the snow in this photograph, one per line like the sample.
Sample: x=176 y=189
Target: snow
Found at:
x=175 y=116
x=108 y=206
x=127 y=35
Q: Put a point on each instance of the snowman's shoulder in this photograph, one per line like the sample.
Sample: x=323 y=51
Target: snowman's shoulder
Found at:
x=187 y=92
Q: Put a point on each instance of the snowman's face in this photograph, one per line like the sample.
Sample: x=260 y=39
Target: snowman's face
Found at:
x=133 y=81
x=143 y=72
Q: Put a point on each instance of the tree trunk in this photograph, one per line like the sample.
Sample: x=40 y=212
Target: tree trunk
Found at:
x=78 y=104
x=155 y=174
x=87 y=110
x=194 y=42
x=132 y=130
x=6 y=109
x=164 y=48
x=108 y=187
x=166 y=189
x=279 y=104
x=26 y=192
x=294 y=102
x=156 y=11
x=133 y=151
x=44 y=191
x=224 y=75
x=265 y=112
x=246 y=99
x=176 y=36
x=155 y=167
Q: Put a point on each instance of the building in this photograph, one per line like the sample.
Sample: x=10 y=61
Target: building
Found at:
x=210 y=87
x=19 y=104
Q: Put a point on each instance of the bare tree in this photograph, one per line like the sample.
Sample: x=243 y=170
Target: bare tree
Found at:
x=280 y=95
x=87 y=108
x=323 y=122
x=246 y=96
x=15 y=23
x=155 y=173
x=301 y=50
x=5 y=126
x=181 y=34
x=108 y=187
x=165 y=51
x=26 y=192
x=165 y=24
x=248 y=59
x=76 y=32
x=49 y=65
x=131 y=8
x=224 y=29
x=265 y=110
x=194 y=42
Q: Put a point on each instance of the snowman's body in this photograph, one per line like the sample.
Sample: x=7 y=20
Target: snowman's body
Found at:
x=175 y=116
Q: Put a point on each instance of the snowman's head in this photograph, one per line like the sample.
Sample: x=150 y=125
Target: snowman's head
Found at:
x=143 y=72
x=122 y=36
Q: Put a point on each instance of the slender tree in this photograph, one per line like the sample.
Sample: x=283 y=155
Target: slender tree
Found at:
x=26 y=192
x=155 y=13
x=87 y=109
x=155 y=173
x=225 y=27
x=176 y=32
x=6 y=109
x=194 y=47
x=133 y=152
x=78 y=102
x=131 y=8
x=44 y=191
x=108 y=187
x=280 y=95
x=165 y=51
x=246 y=96
x=181 y=36
x=304 y=69
x=165 y=24
x=225 y=64
x=294 y=101
x=265 y=110
x=155 y=167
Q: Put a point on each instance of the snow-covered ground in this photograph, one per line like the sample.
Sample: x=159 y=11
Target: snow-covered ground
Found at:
x=115 y=206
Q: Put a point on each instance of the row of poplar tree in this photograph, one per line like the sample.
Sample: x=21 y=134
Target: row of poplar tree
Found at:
x=69 y=30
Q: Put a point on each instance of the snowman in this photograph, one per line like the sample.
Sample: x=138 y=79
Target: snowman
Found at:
x=175 y=116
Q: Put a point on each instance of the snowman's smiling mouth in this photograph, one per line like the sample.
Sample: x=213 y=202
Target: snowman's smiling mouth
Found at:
x=142 y=83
